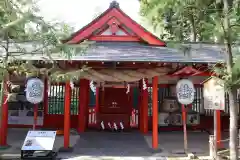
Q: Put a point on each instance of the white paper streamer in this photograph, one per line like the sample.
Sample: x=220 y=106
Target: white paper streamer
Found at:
x=71 y=84
x=93 y=87
x=128 y=89
x=102 y=125
x=109 y=125
x=115 y=126
x=144 y=84
x=121 y=125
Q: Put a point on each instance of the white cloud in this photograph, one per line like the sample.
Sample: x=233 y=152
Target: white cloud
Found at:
x=78 y=13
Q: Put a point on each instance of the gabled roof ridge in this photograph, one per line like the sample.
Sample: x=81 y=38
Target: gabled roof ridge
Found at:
x=84 y=27
x=113 y=5
x=141 y=26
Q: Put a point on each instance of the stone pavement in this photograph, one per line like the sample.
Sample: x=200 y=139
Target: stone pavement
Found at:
x=110 y=145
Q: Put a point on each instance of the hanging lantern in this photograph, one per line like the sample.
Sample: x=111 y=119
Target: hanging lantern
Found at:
x=144 y=84
x=34 y=90
x=93 y=87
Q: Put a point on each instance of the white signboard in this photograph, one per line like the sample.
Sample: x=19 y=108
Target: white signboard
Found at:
x=214 y=94
x=39 y=140
x=34 y=90
x=185 y=91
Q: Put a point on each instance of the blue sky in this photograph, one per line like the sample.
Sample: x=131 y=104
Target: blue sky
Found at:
x=78 y=13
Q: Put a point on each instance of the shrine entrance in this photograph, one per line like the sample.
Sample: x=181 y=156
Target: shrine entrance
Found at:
x=115 y=109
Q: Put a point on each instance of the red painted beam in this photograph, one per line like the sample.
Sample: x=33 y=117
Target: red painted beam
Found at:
x=115 y=38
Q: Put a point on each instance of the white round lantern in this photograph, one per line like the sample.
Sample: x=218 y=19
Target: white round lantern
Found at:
x=34 y=90
x=185 y=91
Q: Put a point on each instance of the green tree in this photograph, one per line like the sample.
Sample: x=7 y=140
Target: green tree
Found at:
x=24 y=33
x=212 y=21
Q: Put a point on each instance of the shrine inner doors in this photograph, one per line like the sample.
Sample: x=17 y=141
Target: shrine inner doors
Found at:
x=115 y=108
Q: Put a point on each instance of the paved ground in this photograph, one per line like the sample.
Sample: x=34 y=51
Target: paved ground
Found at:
x=107 y=144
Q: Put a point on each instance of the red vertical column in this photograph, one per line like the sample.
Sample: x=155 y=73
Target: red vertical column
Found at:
x=145 y=108
x=97 y=103
x=67 y=109
x=155 y=112
x=4 y=120
x=83 y=105
x=218 y=114
x=45 y=100
x=140 y=106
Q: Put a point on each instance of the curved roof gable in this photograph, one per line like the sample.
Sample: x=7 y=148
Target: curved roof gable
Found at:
x=114 y=20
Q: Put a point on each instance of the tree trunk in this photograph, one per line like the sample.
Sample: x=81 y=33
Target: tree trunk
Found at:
x=193 y=29
x=233 y=143
x=233 y=128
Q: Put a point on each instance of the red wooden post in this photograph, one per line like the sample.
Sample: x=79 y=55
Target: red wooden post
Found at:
x=218 y=118
x=97 y=100
x=184 y=118
x=35 y=112
x=140 y=106
x=97 y=104
x=67 y=109
x=155 y=112
x=45 y=100
x=83 y=105
x=145 y=108
x=4 y=121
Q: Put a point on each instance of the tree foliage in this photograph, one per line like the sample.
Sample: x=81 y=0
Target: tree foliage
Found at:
x=190 y=20
x=209 y=21
x=24 y=32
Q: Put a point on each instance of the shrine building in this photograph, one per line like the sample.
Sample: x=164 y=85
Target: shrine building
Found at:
x=130 y=84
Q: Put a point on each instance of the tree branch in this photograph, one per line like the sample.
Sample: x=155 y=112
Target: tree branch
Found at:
x=14 y=23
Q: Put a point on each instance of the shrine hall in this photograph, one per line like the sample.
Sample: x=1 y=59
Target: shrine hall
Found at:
x=129 y=84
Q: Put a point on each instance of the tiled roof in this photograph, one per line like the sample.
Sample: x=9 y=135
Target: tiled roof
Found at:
x=129 y=51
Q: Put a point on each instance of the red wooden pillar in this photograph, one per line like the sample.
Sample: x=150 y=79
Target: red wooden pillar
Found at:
x=45 y=100
x=145 y=108
x=4 y=120
x=140 y=106
x=155 y=112
x=97 y=103
x=67 y=113
x=83 y=105
x=218 y=125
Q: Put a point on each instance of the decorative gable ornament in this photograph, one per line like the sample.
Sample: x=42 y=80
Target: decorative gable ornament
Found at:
x=115 y=18
x=34 y=90
x=188 y=70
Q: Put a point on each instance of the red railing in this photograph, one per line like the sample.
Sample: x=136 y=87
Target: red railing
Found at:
x=92 y=119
